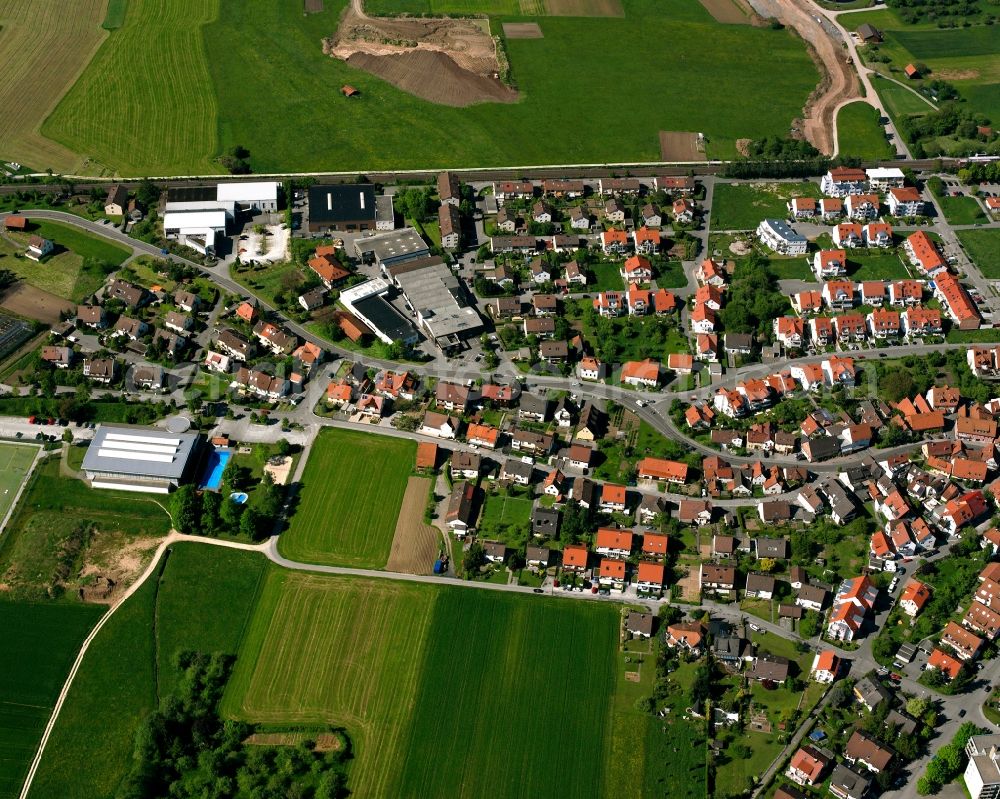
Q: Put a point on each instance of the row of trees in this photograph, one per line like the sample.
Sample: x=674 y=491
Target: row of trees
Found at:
x=185 y=750
x=948 y=762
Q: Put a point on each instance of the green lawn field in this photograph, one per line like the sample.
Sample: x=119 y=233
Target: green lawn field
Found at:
x=962 y=210
x=502 y=510
x=15 y=462
x=983 y=247
x=252 y=72
x=64 y=273
x=899 y=99
x=40 y=642
x=859 y=133
x=201 y=601
x=883 y=266
x=86 y=245
x=351 y=491
x=742 y=206
x=435 y=685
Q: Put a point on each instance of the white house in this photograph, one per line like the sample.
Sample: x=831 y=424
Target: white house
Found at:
x=781 y=237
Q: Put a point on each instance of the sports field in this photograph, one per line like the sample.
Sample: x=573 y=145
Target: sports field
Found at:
x=15 y=462
x=252 y=72
x=39 y=644
x=983 y=247
x=351 y=493
x=859 y=133
x=435 y=686
x=201 y=601
x=43 y=49
x=159 y=118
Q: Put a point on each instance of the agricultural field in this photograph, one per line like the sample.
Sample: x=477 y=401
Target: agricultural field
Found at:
x=15 y=463
x=351 y=492
x=64 y=535
x=415 y=544
x=983 y=247
x=966 y=57
x=741 y=206
x=150 y=136
x=40 y=642
x=859 y=133
x=64 y=273
x=372 y=656
x=223 y=62
x=201 y=600
x=43 y=50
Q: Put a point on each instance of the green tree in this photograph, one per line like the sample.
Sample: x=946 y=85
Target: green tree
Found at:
x=211 y=503
x=250 y=524
x=185 y=508
x=474 y=559
x=229 y=515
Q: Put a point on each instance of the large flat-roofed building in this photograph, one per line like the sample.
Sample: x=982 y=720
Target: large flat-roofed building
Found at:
x=386 y=249
x=348 y=206
x=368 y=302
x=249 y=195
x=435 y=295
x=982 y=774
x=139 y=458
x=193 y=198
x=195 y=229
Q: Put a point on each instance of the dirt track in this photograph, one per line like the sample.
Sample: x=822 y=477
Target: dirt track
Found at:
x=447 y=61
x=839 y=81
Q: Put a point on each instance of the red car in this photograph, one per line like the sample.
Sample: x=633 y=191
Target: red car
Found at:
x=895 y=677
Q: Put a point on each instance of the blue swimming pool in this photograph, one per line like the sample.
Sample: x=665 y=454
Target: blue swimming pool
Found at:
x=211 y=475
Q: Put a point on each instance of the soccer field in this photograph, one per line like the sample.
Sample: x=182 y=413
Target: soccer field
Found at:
x=351 y=493
x=436 y=686
x=15 y=463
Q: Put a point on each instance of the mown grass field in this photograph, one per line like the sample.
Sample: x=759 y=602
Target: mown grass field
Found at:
x=983 y=247
x=145 y=105
x=351 y=491
x=15 y=461
x=252 y=72
x=201 y=601
x=962 y=210
x=435 y=685
x=885 y=266
x=900 y=100
x=43 y=49
x=40 y=642
x=859 y=133
x=742 y=206
x=501 y=510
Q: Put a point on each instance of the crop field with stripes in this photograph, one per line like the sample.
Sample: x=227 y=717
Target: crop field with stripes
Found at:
x=445 y=692
x=146 y=103
x=42 y=51
x=351 y=493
